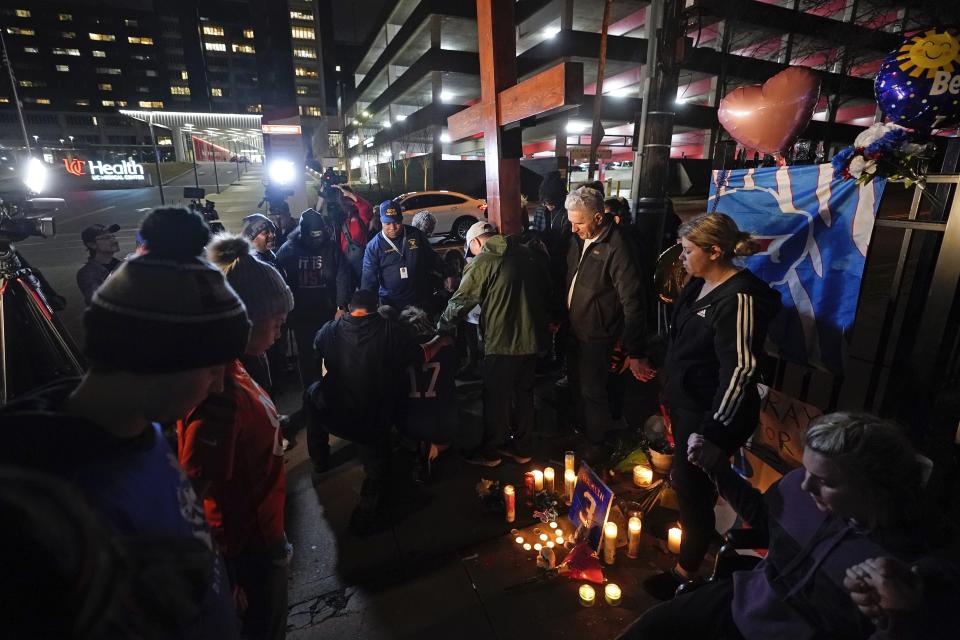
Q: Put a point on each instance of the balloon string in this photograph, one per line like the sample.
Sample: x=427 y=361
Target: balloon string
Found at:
x=722 y=176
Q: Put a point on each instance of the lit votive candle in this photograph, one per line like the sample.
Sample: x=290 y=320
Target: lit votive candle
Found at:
x=569 y=482
x=674 y=536
x=612 y=594
x=553 y=525
x=610 y=542
x=537 y=480
x=526 y=546
x=642 y=475
x=538 y=546
x=569 y=459
x=519 y=539
x=559 y=540
x=550 y=544
x=587 y=595
x=510 y=502
x=548 y=479
x=544 y=537
x=634 y=527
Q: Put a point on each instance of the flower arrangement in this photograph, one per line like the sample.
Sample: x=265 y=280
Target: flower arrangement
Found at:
x=883 y=150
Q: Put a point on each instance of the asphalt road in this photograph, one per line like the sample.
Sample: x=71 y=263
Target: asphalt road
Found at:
x=61 y=256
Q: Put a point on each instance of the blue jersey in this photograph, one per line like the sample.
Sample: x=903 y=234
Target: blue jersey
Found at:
x=431 y=404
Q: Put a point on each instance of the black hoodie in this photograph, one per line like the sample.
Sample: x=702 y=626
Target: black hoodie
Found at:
x=316 y=271
x=715 y=344
x=366 y=359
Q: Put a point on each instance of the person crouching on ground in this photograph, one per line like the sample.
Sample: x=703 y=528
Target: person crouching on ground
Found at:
x=365 y=356
x=430 y=410
x=858 y=496
x=231 y=448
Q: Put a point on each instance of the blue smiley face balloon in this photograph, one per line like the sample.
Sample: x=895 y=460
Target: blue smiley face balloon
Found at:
x=918 y=85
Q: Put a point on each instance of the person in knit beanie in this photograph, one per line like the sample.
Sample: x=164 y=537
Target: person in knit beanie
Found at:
x=231 y=447
x=262 y=233
x=159 y=334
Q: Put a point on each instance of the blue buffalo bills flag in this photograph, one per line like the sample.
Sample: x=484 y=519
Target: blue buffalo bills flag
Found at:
x=814 y=231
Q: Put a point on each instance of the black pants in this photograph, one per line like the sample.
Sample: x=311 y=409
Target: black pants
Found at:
x=318 y=440
x=508 y=383
x=376 y=459
x=265 y=585
x=599 y=394
x=703 y=613
x=696 y=493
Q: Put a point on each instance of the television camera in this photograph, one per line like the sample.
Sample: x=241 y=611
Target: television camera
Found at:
x=207 y=209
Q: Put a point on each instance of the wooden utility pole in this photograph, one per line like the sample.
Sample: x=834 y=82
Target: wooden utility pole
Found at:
x=596 y=133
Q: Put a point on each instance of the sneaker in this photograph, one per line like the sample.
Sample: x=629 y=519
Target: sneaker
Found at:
x=663 y=586
x=563 y=382
x=482 y=459
x=519 y=458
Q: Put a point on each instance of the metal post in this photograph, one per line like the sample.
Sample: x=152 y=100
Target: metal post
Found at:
x=196 y=177
x=236 y=157
x=16 y=95
x=596 y=133
x=216 y=178
x=156 y=159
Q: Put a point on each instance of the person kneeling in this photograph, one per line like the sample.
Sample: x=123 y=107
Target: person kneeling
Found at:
x=365 y=355
x=857 y=497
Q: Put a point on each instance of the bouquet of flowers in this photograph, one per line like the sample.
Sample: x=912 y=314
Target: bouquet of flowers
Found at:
x=883 y=150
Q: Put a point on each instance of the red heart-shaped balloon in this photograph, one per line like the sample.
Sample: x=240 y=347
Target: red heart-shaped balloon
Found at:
x=770 y=117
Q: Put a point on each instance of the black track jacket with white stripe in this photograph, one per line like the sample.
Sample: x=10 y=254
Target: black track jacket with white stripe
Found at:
x=712 y=360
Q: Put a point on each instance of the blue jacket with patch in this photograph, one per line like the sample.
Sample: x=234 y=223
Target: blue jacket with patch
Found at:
x=382 y=264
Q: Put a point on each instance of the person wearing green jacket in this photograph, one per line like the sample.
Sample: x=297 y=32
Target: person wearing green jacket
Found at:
x=511 y=284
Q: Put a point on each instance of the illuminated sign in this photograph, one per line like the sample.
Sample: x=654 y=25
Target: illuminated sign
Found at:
x=101 y=171
x=282 y=129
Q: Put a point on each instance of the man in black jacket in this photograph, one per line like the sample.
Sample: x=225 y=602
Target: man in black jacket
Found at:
x=607 y=312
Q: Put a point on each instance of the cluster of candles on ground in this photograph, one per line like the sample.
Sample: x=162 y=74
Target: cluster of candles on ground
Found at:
x=552 y=537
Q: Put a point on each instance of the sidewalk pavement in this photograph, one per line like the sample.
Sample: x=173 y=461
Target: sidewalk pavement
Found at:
x=442 y=567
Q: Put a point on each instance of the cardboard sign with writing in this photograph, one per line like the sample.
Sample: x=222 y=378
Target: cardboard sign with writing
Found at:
x=591 y=504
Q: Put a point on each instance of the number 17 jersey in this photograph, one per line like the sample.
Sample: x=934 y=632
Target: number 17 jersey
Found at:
x=430 y=407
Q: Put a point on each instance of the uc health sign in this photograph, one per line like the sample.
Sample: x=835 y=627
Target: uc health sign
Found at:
x=99 y=171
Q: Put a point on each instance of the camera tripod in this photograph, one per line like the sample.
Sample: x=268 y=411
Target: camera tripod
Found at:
x=35 y=349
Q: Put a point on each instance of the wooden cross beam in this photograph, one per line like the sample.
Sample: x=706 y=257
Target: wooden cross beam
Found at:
x=503 y=102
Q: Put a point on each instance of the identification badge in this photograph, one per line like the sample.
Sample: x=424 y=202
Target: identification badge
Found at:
x=403 y=273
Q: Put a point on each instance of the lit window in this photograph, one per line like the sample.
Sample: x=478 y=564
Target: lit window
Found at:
x=110 y=71
x=32 y=83
x=105 y=87
x=243 y=48
x=248 y=33
x=64 y=17
x=63 y=67
x=22 y=13
x=211 y=30
x=69 y=35
x=148 y=104
x=130 y=23
x=313 y=111
x=43 y=100
x=301 y=15
x=303 y=72
x=143 y=89
x=184 y=75
x=180 y=91
x=139 y=40
x=65 y=52
x=303 y=33
x=305 y=53
x=82 y=102
x=31 y=50
x=216 y=92
x=164 y=141
x=108 y=103
x=142 y=58
x=302 y=91
x=214 y=46
x=99 y=54
x=253 y=108
x=150 y=73
x=102 y=37
x=4 y=100
x=17 y=31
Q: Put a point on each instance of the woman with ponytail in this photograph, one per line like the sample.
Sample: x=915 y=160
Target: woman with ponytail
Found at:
x=717 y=332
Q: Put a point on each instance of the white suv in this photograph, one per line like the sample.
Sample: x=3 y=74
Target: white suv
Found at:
x=455 y=212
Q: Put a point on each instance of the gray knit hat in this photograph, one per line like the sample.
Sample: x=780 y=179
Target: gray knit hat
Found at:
x=259 y=285
x=168 y=310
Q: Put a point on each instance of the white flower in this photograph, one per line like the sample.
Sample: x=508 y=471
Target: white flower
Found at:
x=856 y=166
x=873 y=133
x=912 y=148
x=870 y=166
